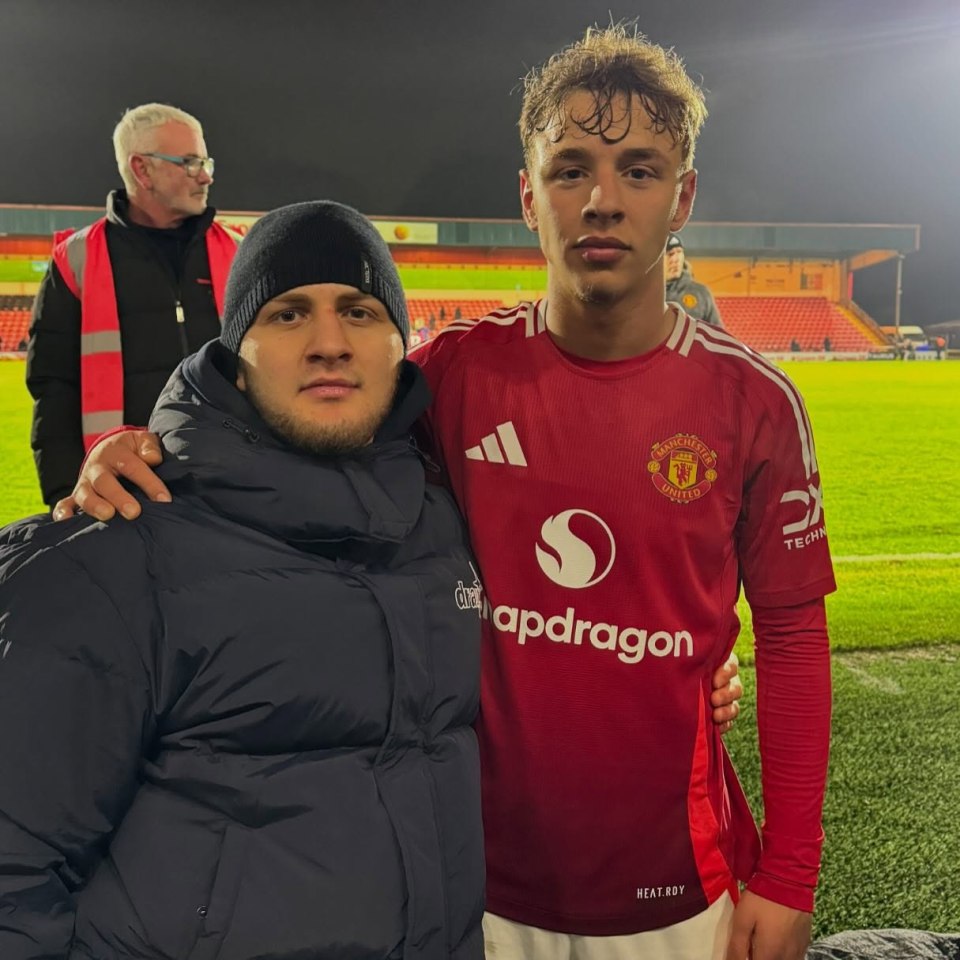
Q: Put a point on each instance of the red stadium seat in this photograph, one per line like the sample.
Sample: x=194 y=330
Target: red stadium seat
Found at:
x=770 y=324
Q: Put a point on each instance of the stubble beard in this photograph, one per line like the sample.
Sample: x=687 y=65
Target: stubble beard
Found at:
x=321 y=440
x=596 y=296
x=592 y=291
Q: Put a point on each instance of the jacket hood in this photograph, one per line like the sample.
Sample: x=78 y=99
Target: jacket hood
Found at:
x=218 y=449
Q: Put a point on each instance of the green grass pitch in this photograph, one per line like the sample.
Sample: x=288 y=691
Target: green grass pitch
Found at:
x=888 y=442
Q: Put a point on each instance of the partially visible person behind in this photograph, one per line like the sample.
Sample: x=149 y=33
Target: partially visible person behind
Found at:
x=694 y=297
x=240 y=727
x=127 y=298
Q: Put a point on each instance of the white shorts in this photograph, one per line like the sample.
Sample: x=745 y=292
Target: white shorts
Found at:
x=703 y=937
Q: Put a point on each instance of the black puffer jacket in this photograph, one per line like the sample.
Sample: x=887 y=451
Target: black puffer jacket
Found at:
x=239 y=727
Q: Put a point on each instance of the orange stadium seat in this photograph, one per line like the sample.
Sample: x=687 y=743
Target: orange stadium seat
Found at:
x=14 y=325
x=770 y=324
x=422 y=309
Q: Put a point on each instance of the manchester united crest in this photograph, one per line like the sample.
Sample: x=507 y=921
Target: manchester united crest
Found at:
x=683 y=468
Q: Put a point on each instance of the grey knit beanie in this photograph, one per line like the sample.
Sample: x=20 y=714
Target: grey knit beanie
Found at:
x=315 y=242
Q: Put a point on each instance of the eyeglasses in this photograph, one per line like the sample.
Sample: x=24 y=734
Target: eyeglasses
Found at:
x=191 y=165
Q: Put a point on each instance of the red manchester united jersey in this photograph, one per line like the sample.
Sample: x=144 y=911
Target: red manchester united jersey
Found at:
x=614 y=509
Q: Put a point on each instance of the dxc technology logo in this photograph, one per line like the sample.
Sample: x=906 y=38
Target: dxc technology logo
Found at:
x=573 y=561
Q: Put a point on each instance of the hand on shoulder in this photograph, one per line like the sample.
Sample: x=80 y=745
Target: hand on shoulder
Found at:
x=99 y=493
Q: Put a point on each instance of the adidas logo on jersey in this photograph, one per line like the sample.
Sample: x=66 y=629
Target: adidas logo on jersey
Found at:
x=501 y=446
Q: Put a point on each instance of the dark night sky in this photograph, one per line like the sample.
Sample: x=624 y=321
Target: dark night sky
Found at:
x=821 y=110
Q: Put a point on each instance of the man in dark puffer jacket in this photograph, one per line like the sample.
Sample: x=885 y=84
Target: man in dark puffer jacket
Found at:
x=240 y=728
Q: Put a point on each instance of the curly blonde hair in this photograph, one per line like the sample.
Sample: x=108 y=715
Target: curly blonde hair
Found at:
x=613 y=62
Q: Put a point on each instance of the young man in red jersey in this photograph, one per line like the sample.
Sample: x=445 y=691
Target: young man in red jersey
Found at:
x=623 y=469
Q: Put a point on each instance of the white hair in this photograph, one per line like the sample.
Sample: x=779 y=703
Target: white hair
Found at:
x=133 y=133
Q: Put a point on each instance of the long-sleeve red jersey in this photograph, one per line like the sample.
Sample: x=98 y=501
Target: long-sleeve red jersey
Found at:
x=615 y=510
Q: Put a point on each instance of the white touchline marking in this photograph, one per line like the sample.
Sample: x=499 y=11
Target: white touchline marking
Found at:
x=894 y=557
x=869 y=680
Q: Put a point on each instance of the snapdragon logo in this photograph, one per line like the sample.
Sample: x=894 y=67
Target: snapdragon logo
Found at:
x=573 y=561
x=577 y=550
x=631 y=643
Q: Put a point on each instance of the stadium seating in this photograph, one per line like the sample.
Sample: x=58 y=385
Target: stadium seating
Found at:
x=13 y=327
x=421 y=310
x=768 y=324
x=12 y=302
x=15 y=315
x=771 y=324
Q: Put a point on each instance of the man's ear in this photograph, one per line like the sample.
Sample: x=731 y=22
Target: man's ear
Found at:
x=527 y=204
x=140 y=170
x=241 y=379
x=686 y=193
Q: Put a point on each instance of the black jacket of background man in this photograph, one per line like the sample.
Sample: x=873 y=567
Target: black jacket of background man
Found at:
x=240 y=726
x=152 y=270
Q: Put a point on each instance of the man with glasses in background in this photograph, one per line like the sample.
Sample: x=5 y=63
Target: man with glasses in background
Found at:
x=127 y=298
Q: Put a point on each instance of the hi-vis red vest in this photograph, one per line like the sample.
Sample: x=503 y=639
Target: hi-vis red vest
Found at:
x=84 y=263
